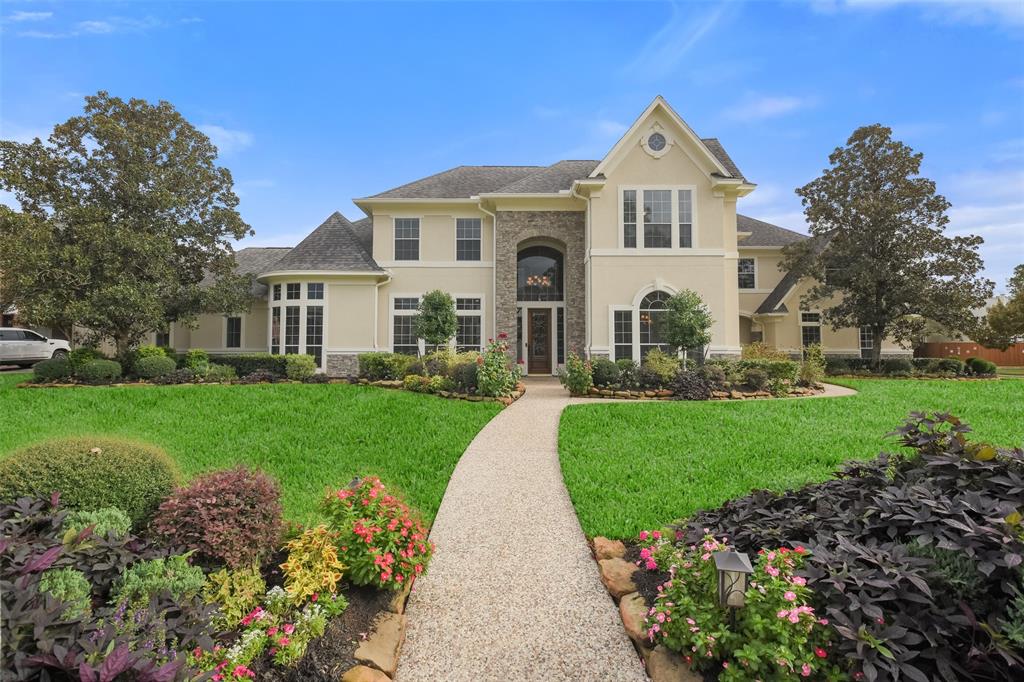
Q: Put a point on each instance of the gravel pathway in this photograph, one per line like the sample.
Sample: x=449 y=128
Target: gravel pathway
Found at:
x=513 y=591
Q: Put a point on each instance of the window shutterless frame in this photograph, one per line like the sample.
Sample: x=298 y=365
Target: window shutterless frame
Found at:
x=407 y=239
x=683 y=205
x=298 y=323
x=468 y=239
x=470 y=309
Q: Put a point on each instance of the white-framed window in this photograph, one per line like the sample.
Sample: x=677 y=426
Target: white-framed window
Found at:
x=407 y=238
x=867 y=341
x=233 y=332
x=469 y=336
x=315 y=332
x=623 y=334
x=277 y=292
x=293 y=291
x=315 y=291
x=747 y=271
x=652 y=308
x=657 y=217
x=468 y=235
x=275 y=330
x=297 y=324
x=810 y=328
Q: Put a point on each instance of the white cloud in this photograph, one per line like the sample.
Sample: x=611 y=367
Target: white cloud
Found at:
x=227 y=141
x=243 y=187
x=990 y=205
x=975 y=12
x=1008 y=150
x=609 y=129
x=108 y=26
x=667 y=47
x=29 y=16
x=760 y=107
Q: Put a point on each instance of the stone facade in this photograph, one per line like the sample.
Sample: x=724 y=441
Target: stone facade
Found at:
x=342 y=365
x=563 y=228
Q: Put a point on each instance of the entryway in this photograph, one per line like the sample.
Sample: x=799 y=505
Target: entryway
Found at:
x=538 y=340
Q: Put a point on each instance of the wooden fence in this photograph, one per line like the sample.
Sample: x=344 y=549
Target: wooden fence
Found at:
x=1011 y=357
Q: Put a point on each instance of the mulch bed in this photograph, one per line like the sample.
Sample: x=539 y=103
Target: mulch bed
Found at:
x=646 y=582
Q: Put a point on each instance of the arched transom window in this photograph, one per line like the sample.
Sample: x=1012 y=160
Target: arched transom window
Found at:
x=652 y=308
x=539 y=274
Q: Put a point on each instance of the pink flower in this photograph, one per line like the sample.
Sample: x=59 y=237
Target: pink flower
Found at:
x=794 y=616
x=271 y=631
x=797 y=580
x=660 y=617
x=651 y=565
x=783 y=613
x=819 y=652
x=242 y=671
x=288 y=628
x=823 y=621
x=772 y=571
x=284 y=641
x=643 y=535
x=805 y=670
x=656 y=534
x=645 y=553
x=725 y=664
x=789 y=596
x=691 y=621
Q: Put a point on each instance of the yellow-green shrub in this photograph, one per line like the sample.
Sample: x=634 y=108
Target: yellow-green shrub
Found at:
x=313 y=565
x=235 y=593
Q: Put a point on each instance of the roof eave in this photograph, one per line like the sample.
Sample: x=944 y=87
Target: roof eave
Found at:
x=320 y=273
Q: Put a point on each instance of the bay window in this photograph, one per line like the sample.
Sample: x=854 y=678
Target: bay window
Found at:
x=296 y=327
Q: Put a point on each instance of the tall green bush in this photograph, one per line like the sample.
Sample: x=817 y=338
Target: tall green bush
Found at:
x=436 y=321
x=56 y=369
x=153 y=366
x=495 y=375
x=577 y=375
x=299 y=367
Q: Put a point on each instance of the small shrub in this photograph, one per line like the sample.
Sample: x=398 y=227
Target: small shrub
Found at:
x=957 y=573
x=182 y=375
x=416 y=383
x=980 y=366
x=714 y=375
x=662 y=364
x=235 y=593
x=154 y=366
x=47 y=371
x=495 y=376
x=150 y=351
x=217 y=373
x=383 y=542
x=250 y=362
x=91 y=473
x=313 y=566
x=383 y=366
x=438 y=362
x=605 y=372
x=299 y=367
x=415 y=367
x=83 y=354
x=99 y=372
x=812 y=369
x=317 y=379
x=260 y=376
x=897 y=367
x=145 y=579
x=649 y=378
x=438 y=383
x=104 y=522
x=464 y=374
x=577 y=375
x=71 y=587
x=834 y=366
x=756 y=378
x=198 y=361
x=761 y=351
x=230 y=517
x=628 y=373
x=691 y=385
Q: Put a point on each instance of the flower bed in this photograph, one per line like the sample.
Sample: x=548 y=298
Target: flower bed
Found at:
x=971 y=369
x=908 y=566
x=207 y=589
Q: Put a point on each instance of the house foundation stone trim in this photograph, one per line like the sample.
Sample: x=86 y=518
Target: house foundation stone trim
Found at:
x=564 y=228
x=342 y=365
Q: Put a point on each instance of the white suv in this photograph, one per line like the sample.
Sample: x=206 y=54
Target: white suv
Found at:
x=24 y=347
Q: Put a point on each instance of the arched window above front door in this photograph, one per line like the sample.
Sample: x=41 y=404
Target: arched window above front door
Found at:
x=539 y=274
x=652 y=308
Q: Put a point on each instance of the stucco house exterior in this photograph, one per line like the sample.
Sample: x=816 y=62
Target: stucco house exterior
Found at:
x=576 y=255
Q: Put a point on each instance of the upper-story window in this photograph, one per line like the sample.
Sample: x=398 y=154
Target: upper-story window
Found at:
x=664 y=218
x=539 y=274
x=407 y=238
x=747 y=268
x=315 y=290
x=294 y=291
x=467 y=239
x=277 y=292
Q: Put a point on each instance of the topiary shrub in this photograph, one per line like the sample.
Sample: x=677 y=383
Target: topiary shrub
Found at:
x=219 y=374
x=299 y=367
x=714 y=375
x=99 y=372
x=383 y=366
x=897 y=367
x=691 y=385
x=153 y=366
x=91 y=473
x=980 y=366
x=606 y=372
x=146 y=579
x=230 y=517
x=198 y=361
x=182 y=375
x=57 y=369
x=105 y=521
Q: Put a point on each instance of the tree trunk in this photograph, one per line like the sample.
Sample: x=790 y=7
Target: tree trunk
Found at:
x=122 y=348
x=876 y=347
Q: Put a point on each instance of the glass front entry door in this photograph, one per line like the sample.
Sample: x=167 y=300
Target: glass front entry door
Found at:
x=538 y=341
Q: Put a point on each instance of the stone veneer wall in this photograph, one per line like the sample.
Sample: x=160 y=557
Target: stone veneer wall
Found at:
x=565 y=227
x=342 y=365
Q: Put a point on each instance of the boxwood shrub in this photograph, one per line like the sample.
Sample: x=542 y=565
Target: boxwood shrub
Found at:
x=249 y=363
x=91 y=473
x=384 y=366
x=99 y=372
x=606 y=372
x=299 y=367
x=153 y=366
x=57 y=369
x=980 y=366
x=897 y=366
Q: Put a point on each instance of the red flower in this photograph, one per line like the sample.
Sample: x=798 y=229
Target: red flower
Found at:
x=820 y=653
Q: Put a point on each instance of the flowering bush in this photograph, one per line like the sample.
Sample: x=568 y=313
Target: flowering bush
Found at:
x=382 y=541
x=577 y=375
x=312 y=566
x=495 y=376
x=776 y=635
x=228 y=517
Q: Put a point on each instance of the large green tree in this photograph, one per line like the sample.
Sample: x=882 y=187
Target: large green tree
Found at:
x=126 y=224
x=1003 y=323
x=879 y=257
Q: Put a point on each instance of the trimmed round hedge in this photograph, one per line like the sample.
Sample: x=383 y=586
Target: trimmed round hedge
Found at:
x=154 y=366
x=91 y=473
x=99 y=372
x=56 y=369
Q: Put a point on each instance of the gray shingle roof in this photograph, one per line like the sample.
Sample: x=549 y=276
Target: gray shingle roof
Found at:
x=461 y=182
x=364 y=233
x=554 y=178
x=716 y=148
x=765 y=234
x=773 y=302
x=332 y=246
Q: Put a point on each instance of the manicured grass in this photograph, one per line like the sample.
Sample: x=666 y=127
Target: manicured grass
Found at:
x=310 y=437
x=631 y=466
x=1011 y=371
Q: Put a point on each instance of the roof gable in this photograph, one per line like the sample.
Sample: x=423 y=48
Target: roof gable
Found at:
x=624 y=145
x=333 y=246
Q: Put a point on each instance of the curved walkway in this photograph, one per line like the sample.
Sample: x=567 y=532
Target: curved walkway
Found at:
x=512 y=591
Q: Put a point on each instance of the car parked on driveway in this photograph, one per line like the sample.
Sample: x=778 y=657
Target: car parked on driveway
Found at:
x=25 y=347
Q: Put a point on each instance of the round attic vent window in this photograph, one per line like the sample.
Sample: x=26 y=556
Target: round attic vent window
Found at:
x=656 y=141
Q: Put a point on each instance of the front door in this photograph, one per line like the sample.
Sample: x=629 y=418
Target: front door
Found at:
x=538 y=341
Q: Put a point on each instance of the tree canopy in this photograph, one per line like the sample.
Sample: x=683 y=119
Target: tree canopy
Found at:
x=436 y=321
x=1003 y=323
x=686 y=322
x=878 y=254
x=126 y=224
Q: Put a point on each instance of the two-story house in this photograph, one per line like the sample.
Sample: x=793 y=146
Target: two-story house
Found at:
x=576 y=255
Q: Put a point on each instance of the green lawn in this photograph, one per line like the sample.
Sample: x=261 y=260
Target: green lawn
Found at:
x=632 y=466
x=310 y=437
x=1011 y=371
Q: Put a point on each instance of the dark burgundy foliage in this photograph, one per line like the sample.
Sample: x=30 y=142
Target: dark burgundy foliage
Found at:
x=260 y=376
x=916 y=556
x=230 y=517
x=691 y=385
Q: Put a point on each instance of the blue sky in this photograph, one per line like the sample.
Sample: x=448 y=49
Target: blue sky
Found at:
x=314 y=104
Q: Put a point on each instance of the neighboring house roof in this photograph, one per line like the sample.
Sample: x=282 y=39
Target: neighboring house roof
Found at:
x=765 y=234
x=775 y=301
x=461 y=182
x=332 y=246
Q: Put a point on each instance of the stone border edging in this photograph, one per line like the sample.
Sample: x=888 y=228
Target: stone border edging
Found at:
x=376 y=659
x=450 y=395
